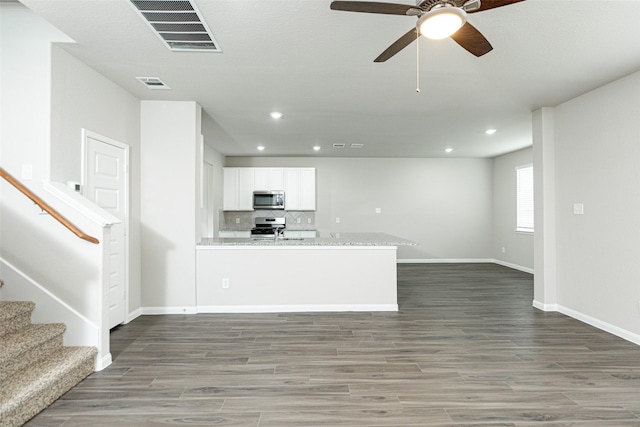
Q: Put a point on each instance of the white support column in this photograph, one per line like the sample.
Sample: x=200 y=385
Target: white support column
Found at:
x=544 y=295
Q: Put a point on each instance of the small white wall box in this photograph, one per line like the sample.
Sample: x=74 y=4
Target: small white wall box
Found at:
x=75 y=186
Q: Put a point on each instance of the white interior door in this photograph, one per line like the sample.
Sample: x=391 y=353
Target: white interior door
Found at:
x=106 y=184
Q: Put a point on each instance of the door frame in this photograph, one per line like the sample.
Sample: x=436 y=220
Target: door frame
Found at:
x=86 y=134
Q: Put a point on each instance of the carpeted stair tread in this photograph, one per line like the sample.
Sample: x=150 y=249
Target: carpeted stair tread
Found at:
x=29 y=391
x=15 y=344
x=9 y=309
x=14 y=315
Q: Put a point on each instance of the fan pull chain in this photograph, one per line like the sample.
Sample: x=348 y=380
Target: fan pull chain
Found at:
x=417 y=61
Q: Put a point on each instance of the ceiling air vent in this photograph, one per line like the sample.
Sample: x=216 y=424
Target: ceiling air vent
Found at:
x=357 y=145
x=338 y=145
x=178 y=24
x=153 y=83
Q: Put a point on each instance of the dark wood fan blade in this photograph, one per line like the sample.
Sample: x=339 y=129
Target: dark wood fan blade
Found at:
x=398 y=45
x=472 y=40
x=371 y=7
x=492 y=4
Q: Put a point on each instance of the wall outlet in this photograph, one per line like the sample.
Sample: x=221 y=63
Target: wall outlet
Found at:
x=337 y=220
x=308 y=220
x=578 y=209
x=237 y=220
x=225 y=283
x=298 y=220
x=378 y=210
x=504 y=249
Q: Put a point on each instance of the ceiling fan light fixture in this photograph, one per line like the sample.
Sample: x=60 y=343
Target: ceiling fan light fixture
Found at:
x=441 y=22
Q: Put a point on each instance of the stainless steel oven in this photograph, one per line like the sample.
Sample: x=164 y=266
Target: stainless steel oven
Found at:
x=268 y=200
x=268 y=228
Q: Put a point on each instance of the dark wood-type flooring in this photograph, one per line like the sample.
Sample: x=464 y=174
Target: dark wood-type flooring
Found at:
x=465 y=349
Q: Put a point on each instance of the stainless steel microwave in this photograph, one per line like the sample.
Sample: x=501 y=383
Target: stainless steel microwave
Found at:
x=268 y=199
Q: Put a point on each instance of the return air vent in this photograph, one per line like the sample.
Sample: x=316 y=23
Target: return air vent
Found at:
x=178 y=24
x=338 y=145
x=153 y=83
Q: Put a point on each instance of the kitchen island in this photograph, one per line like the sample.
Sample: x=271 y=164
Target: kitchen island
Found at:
x=337 y=272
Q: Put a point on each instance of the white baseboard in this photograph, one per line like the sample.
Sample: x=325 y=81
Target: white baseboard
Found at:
x=103 y=362
x=168 y=310
x=544 y=307
x=133 y=315
x=295 y=308
x=444 y=261
x=514 y=266
x=585 y=318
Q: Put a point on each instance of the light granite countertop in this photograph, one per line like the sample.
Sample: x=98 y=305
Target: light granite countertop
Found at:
x=332 y=239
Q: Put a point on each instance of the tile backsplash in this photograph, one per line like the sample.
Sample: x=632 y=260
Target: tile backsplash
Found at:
x=246 y=220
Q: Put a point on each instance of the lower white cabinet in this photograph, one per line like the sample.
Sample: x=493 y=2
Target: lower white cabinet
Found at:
x=224 y=234
x=299 y=234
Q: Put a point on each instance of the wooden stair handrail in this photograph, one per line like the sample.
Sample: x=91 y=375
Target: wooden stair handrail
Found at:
x=45 y=207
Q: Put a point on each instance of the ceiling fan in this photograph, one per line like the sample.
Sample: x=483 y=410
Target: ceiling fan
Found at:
x=436 y=19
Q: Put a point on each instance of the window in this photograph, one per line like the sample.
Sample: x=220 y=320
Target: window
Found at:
x=524 y=198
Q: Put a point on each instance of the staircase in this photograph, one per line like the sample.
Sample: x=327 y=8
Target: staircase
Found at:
x=35 y=367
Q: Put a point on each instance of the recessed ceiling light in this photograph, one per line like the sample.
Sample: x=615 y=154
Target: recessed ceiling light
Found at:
x=260 y=147
x=490 y=131
x=448 y=150
x=316 y=148
x=276 y=115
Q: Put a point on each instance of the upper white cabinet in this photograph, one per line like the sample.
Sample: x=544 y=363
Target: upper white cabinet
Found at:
x=299 y=185
x=300 y=189
x=267 y=179
x=238 y=189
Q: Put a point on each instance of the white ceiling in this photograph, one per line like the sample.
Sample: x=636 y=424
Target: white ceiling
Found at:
x=316 y=66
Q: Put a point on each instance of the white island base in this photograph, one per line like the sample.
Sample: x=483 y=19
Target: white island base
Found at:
x=259 y=279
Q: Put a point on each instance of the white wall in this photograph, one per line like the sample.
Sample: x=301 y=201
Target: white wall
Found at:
x=597 y=143
x=170 y=136
x=443 y=204
x=211 y=133
x=518 y=246
x=25 y=46
x=26 y=105
x=40 y=127
x=82 y=98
